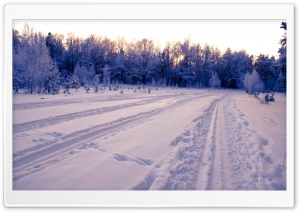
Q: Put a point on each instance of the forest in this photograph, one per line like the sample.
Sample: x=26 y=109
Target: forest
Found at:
x=49 y=63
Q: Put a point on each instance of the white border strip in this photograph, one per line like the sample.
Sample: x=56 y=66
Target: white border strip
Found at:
x=146 y=198
x=148 y=11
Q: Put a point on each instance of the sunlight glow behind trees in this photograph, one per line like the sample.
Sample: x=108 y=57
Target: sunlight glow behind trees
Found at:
x=254 y=36
x=98 y=60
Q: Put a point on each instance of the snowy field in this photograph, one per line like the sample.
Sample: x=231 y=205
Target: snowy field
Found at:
x=169 y=139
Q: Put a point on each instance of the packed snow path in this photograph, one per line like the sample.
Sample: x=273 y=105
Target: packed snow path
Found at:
x=182 y=139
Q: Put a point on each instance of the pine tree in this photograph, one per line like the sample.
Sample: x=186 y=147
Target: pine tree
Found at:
x=282 y=60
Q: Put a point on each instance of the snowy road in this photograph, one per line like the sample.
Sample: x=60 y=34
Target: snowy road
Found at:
x=182 y=139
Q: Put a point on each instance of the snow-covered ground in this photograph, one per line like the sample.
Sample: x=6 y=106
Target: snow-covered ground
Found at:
x=168 y=139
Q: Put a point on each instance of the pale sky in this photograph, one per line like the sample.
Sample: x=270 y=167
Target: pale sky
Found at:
x=254 y=36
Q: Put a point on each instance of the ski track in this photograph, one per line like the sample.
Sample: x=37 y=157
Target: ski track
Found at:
x=36 y=105
x=193 y=148
x=17 y=128
x=42 y=156
x=216 y=154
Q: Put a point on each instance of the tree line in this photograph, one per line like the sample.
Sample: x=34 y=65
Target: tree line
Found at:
x=46 y=63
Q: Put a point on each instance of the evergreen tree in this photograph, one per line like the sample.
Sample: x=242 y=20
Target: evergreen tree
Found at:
x=72 y=54
x=266 y=69
x=281 y=80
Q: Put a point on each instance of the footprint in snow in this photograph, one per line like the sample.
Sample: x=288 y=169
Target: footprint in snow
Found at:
x=187 y=133
x=246 y=123
x=73 y=152
x=264 y=142
x=140 y=161
x=268 y=159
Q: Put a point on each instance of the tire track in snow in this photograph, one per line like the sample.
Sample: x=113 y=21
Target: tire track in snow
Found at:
x=30 y=162
x=17 y=128
x=36 y=105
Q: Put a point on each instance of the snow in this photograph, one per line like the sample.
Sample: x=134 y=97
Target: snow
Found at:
x=169 y=139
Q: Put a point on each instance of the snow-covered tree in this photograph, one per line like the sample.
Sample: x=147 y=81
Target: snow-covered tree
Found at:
x=38 y=59
x=106 y=75
x=266 y=69
x=84 y=74
x=95 y=83
x=234 y=66
x=18 y=81
x=143 y=60
x=53 y=84
x=72 y=52
x=57 y=51
x=32 y=62
x=214 y=81
x=117 y=68
x=252 y=83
